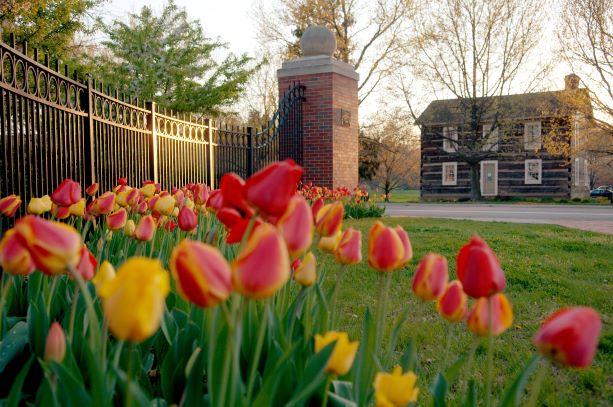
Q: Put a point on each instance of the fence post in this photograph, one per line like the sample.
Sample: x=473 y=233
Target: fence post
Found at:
x=153 y=149
x=209 y=124
x=88 y=137
x=250 y=152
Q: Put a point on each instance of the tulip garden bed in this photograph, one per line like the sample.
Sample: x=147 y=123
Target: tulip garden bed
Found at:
x=256 y=295
x=546 y=267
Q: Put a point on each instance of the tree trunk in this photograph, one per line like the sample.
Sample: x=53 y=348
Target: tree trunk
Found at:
x=387 y=191
x=475 y=185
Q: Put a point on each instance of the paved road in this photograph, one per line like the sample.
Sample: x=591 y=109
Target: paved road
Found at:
x=589 y=217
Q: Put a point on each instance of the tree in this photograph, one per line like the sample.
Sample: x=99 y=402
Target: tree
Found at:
x=474 y=50
x=586 y=39
x=49 y=25
x=367 y=33
x=167 y=58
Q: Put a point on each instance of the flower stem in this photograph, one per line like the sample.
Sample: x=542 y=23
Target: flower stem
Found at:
x=329 y=379
x=94 y=334
x=258 y=351
x=4 y=289
x=73 y=312
x=538 y=382
x=334 y=300
x=128 y=396
x=490 y=354
x=385 y=280
x=50 y=296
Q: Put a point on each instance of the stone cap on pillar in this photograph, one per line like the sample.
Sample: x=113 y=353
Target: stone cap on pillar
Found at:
x=318 y=45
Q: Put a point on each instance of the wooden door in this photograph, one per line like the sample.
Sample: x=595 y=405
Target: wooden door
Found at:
x=489 y=178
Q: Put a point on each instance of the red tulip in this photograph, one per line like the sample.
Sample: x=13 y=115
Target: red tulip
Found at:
x=188 y=221
x=123 y=181
x=234 y=195
x=431 y=277
x=239 y=229
x=170 y=225
x=87 y=264
x=67 y=193
x=202 y=274
x=452 y=305
x=271 y=188
x=262 y=267
x=502 y=315
x=296 y=226
x=117 y=220
x=349 y=249
x=570 y=336
x=215 y=201
x=228 y=217
x=9 y=205
x=104 y=204
x=53 y=246
x=145 y=228
x=14 y=256
x=142 y=207
x=55 y=346
x=386 y=250
x=92 y=189
x=479 y=269
x=60 y=212
x=330 y=219
x=406 y=243
x=317 y=205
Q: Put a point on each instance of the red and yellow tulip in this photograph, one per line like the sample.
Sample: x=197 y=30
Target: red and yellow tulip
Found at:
x=453 y=304
x=9 y=205
x=296 y=226
x=349 y=249
x=479 y=270
x=502 y=315
x=431 y=277
x=14 y=257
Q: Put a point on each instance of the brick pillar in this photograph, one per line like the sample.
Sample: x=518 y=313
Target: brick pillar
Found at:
x=330 y=118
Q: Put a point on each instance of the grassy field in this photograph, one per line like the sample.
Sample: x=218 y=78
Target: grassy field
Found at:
x=547 y=267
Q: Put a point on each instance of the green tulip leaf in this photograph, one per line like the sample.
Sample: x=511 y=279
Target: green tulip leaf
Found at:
x=15 y=395
x=336 y=400
x=439 y=390
x=138 y=395
x=38 y=326
x=70 y=389
x=471 y=395
x=343 y=389
x=313 y=375
x=513 y=395
x=13 y=343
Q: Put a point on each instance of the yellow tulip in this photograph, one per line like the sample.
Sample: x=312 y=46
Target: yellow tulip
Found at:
x=78 y=209
x=129 y=228
x=165 y=205
x=133 y=301
x=38 y=206
x=105 y=273
x=395 y=389
x=306 y=273
x=330 y=243
x=148 y=190
x=343 y=354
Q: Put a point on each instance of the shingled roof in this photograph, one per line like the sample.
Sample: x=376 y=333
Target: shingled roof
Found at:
x=510 y=107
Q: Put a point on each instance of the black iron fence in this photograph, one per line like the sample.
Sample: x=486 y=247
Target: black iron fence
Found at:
x=54 y=127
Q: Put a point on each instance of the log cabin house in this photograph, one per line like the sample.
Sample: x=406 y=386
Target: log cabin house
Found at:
x=515 y=161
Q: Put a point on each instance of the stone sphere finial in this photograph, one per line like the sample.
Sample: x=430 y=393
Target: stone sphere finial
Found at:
x=318 y=41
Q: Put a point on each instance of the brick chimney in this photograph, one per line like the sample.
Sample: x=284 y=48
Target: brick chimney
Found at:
x=571 y=82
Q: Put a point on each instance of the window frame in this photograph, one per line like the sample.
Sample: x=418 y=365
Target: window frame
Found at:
x=577 y=171
x=493 y=136
x=531 y=144
x=448 y=145
x=528 y=181
x=586 y=172
x=453 y=164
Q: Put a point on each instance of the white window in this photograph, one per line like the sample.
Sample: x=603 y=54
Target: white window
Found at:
x=587 y=173
x=533 y=171
x=449 y=134
x=450 y=173
x=490 y=138
x=577 y=172
x=532 y=136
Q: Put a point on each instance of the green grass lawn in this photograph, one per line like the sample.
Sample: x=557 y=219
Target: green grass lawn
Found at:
x=547 y=267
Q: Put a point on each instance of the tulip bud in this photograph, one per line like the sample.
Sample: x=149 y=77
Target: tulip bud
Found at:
x=165 y=205
x=344 y=352
x=395 y=389
x=53 y=246
x=330 y=219
x=87 y=264
x=142 y=207
x=104 y=203
x=133 y=197
x=140 y=286
x=148 y=190
x=330 y=243
x=169 y=224
x=262 y=267
x=9 y=205
x=122 y=197
x=569 y=336
x=92 y=189
x=55 y=347
x=317 y=205
x=67 y=193
x=406 y=243
x=431 y=277
x=145 y=228
x=108 y=236
x=129 y=228
x=305 y=273
x=117 y=220
x=14 y=257
x=78 y=209
x=123 y=181
x=452 y=305
x=38 y=206
x=386 y=250
x=105 y=273
x=271 y=188
x=188 y=221
x=296 y=226
x=479 y=269
x=202 y=274
x=349 y=249
x=201 y=193
x=179 y=196
x=502 y=315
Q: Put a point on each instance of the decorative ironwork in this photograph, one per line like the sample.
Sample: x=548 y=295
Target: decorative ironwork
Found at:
x=54 y=127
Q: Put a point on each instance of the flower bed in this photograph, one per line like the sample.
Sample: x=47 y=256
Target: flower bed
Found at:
x=91 y=315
